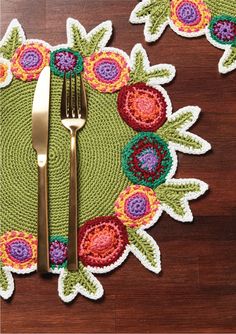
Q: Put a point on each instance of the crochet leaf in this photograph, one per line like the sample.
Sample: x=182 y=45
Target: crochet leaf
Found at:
x=145 y=249
x=155 y=14
x=89 y=43
x=13 y=41
x=230 y=59
x=174 y=196
x=174 y=131
x=6 y=283
x=82 y=281
x=141 y=71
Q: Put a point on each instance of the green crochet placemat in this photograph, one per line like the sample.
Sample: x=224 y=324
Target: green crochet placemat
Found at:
x=126 y=157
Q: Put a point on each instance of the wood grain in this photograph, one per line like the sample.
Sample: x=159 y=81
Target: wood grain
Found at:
x=197 y=287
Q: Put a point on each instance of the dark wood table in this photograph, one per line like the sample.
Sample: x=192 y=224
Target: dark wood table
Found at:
x=196 y=290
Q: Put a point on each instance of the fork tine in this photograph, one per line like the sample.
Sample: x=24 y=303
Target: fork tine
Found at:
x=70 y=98
x=83 y=99
x=76 y=96
x=64 y=99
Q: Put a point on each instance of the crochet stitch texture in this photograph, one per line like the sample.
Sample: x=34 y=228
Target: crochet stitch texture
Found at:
x=114 y=152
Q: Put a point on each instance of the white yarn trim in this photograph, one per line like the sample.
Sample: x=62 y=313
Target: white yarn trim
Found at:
x=188 y=216
x=195 y=110
x=106 y=24
x=5 y=294
x=106 y=269
x=13 y=24
x=154 y=82
x=146 y=19
x=184 y=33
x=9 y=74
x=22 y=271
x=142 y=258
x=79 y=288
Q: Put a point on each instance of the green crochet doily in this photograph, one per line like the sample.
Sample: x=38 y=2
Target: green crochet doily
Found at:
x=99 y=160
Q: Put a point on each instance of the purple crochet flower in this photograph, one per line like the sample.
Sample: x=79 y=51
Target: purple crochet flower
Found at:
x=66 y=61
x=188 y=13
x=107 y=70
x=19 y=250
x=136 y=206
x=148 y=159
x=58 y=252
x=223 y=29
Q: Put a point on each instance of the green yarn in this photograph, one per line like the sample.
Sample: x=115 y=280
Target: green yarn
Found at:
x=78 y=277
x=219 y=7
x=3 y=279
x=8 y=48
x=100 y=176
x=214 y=21
x=170 y=131
x=143 y=245
x=159 y=11
x=231 y=58
x=173 y=194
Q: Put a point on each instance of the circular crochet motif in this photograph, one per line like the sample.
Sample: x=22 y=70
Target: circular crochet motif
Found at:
x=146 y=160
x=189 y=15
x=102 y=241
x=223 y=29
x=58 y=251
x=29 y=60
x=5 y=72
x=136 y=206
x=106 y=71
x=142 y=107
x=66 y=60
x=18 y=250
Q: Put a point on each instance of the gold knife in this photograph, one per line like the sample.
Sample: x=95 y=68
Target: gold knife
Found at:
x=40 y=126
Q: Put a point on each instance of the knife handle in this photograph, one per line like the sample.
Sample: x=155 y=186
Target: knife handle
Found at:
x=72 y=232
x=43 y=248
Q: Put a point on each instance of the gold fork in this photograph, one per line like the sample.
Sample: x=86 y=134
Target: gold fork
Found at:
x=73 y=118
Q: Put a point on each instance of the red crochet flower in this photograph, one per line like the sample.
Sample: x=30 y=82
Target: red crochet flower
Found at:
x=101 y=241
x=142 y=107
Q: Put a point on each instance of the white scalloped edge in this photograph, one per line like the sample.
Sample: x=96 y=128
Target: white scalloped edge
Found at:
x=5 y=294
x=155 y=81
x=106 y=24
x=22 y=271
x=188 y=217
x=13 y=24
x=195 y=110
x=9 y=74
x=143 y=258
x=146 y=20
x=79 y=288
x=184 y=33
x=106 y=269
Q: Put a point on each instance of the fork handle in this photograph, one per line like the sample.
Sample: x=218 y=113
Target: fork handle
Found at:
x=72 y=232
x=43 y=254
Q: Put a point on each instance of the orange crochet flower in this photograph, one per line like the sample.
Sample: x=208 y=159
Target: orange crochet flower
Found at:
x=18 y=250
x=106 y=71
x=190 y=16
x=5 y=72
x=136 y=206
x=29 y=60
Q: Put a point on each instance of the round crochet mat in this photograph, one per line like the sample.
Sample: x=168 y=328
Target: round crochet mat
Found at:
x=100 y=176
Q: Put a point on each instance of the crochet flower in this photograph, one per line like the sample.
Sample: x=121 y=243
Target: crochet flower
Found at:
x=136 y=206
x=147 y=160
x=189 y=16
x=18 y=250
x=66 y=60
x=58 y=252
x=106 y=71
x=29 y=60
x=142 y=107
x=223 y=29
x=5 y=72
x=101 y=241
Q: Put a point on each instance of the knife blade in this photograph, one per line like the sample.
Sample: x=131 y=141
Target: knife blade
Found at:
x=40 y=127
